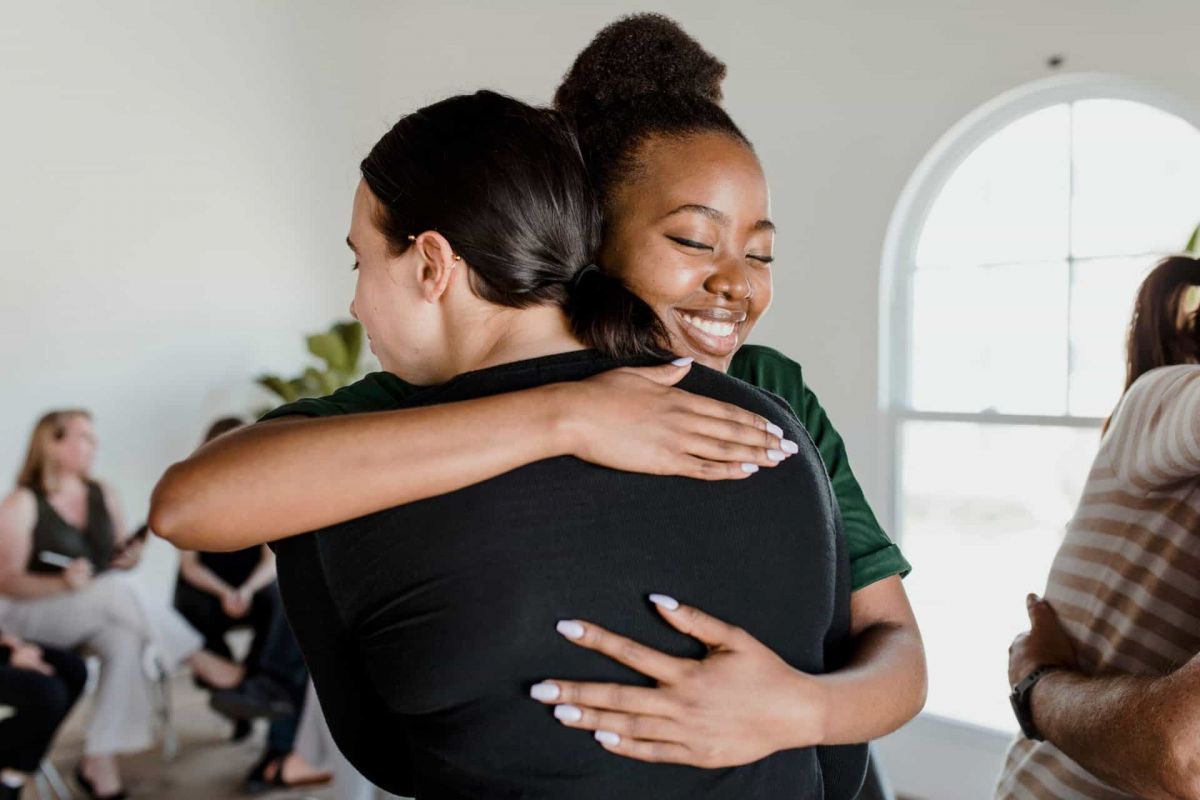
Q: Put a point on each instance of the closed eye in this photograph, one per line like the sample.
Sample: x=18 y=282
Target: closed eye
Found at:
x=762 y=259
x=354 y=267
x=689 y=243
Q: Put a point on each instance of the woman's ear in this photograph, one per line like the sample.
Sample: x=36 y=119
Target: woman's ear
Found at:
x=436 y=266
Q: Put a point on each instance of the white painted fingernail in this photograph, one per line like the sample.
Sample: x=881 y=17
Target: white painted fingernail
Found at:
x=664 y=600
x=570 y=629
x=751 y=468
x=568 y=713
x=544 y=691
x=776 y=455
x=683 y=362
x=789 y=446
x=774 y=430
x=608 y=738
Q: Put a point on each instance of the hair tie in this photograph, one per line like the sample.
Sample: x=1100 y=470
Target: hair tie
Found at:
x=583 y=273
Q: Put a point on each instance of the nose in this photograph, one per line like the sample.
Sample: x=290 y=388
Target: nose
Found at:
x=729 y=280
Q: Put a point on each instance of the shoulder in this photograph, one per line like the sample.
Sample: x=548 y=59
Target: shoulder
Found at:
x=753 y=357
x=749 y=395
x=20 y=507
x=769 y=369
x=1160 y=387
x=378 y=391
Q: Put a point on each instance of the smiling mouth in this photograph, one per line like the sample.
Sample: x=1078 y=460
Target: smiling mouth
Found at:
x=714 y=331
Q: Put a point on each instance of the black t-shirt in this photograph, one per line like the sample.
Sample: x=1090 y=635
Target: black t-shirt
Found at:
x=424 y=625
x=233 y=567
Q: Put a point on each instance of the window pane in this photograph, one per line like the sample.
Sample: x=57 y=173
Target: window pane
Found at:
x=1009 y=199
x=984 y=509
x=990 y=338
x=1137 y=179
x=1102 y=295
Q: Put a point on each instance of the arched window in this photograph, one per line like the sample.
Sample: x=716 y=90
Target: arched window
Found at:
x=1013 y=261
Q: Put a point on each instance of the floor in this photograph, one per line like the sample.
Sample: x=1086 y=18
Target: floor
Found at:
x=207 y=767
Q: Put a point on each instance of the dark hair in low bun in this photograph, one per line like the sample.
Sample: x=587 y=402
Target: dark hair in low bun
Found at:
x=641 y=76
x=505 y=183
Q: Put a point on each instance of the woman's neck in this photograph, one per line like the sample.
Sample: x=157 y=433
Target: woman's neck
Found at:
x=57 y=482
x=515 y=335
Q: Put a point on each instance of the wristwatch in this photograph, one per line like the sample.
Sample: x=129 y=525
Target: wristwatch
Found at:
x=1020 y=698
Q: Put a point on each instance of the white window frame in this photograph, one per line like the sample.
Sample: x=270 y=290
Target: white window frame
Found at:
x=971 y=754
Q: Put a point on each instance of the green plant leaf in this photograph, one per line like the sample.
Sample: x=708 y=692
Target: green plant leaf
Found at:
x=279 y=386
x=352 y=336
x=1194 y=242
x=330 y=348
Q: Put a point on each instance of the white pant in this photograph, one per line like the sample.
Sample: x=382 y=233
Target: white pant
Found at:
x=112 y=619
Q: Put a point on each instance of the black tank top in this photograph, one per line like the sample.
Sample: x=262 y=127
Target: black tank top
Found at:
x=423 y=626
x=54 y=534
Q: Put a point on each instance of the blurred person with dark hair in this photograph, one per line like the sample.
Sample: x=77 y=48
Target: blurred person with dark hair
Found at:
x=1105 y=707
x=38 y=688
x=218 y=591
x=63 y=552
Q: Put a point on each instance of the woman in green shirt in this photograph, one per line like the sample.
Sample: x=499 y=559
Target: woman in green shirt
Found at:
x=686 y=228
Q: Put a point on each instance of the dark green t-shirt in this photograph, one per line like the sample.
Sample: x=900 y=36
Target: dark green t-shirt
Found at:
x=873 y=556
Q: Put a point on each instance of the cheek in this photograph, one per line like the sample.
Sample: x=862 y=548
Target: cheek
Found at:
x=661 y=279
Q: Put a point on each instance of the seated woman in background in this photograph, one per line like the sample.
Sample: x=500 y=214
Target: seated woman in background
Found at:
x=38 y=688
x=218 y=591
x=63 y=547
x=1124 y=582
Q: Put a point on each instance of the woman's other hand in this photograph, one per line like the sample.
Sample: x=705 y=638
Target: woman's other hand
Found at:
x=235 y=603
x=738 y=704
x=634 y=419
x=77 y=574
x=129 y=556
x=29 y=656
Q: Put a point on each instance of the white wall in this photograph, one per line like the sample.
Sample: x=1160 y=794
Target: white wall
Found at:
x=177 y=176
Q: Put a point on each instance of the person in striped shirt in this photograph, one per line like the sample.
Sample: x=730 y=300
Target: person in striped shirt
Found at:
x=1107 y=710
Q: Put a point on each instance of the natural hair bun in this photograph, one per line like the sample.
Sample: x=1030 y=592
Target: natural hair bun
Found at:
x=638 y=55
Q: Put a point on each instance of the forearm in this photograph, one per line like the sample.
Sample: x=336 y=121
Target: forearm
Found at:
x=881 y=688
x=263 y=575
x=291 y=476
x=1138 y=734
x=204 y=579
x=27 y=586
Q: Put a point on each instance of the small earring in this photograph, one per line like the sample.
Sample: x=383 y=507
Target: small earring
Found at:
x=412 y=238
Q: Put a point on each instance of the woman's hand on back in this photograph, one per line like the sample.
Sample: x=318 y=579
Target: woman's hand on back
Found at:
x=634 y=419
x=738 y=704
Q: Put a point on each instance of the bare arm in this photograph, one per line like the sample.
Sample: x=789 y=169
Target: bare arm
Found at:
x=263 y=574
x=295 y=475
x=884 y=684
x=742 y=702
x=18 y=514
x=1139 y=734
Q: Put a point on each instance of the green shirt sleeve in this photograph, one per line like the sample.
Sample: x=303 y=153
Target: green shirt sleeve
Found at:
x=378 y=391
x=873 y=556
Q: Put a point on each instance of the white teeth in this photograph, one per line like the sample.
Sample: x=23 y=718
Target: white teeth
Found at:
x=711 y=327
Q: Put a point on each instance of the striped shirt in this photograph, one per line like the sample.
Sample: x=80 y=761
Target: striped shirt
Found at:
x=1126 y=581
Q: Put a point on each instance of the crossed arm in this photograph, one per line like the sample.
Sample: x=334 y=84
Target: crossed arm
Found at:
x=1138 y=734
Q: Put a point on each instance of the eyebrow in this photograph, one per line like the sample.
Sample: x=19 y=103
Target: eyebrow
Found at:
x=716 y=216
x=350 y=244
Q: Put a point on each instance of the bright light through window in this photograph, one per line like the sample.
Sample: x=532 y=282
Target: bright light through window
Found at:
x=1020 y=288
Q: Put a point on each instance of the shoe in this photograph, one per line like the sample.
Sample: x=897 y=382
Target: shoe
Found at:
x=257 y=781
x=91 y=790
x=259 y=697
x=242 y=728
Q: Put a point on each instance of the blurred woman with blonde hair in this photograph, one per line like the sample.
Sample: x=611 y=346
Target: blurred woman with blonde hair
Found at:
x=63 y=549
